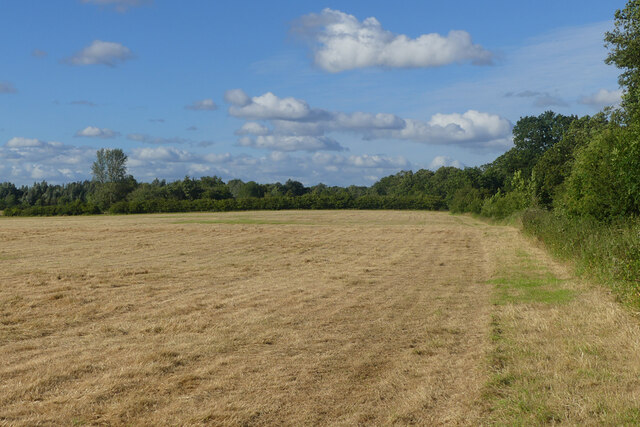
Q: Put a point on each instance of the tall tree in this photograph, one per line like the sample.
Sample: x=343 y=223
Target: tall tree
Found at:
x=110 y=165
x=110 y=174
x=623 y=43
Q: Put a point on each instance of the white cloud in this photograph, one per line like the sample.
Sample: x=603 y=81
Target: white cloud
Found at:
x=202 y=105
x=603 y=98
x=472 y=128
x=119 y=5
x=270 y=107
x=101 y=53
x=96 y=132
x=291 y=143
x=443 y=161
x=169 y=154
x=237 y=97
x=344 y=43
x=6 y=87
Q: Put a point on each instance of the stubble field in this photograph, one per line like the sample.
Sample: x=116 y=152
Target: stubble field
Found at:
x=294 y=318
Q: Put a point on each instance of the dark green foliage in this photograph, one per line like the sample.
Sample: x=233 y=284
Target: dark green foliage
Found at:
x=467 y=199
x=605 y=179
x=555 y=165
x=624 y=52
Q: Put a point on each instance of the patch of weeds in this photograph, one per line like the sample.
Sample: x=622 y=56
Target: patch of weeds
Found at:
x=530 y=290
x=514 y=395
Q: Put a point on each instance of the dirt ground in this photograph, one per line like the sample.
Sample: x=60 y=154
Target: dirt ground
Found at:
x=297 y=318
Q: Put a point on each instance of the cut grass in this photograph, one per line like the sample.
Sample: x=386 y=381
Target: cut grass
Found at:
x=559 y=351
x=236 y=221
x=367 y=318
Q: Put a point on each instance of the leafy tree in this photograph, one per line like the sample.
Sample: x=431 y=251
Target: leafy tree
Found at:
x=294 y=188
x=110 y=165
x=555 y=165
x=250 y=189
x=623 y=43
x=593 y=187
x=110 y=175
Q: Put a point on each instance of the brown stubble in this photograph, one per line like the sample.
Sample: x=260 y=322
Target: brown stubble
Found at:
x=330 y=317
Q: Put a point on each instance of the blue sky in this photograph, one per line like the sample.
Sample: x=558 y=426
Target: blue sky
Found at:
x=336 y=92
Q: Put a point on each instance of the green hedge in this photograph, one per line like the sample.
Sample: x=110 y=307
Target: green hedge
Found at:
x=307 y=201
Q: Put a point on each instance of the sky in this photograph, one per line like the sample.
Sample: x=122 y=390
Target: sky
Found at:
x=340 y=92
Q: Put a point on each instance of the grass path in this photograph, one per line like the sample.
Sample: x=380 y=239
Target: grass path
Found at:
x=315 y=317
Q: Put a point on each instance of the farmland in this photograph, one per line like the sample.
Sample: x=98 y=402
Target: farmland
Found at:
x=316 y=317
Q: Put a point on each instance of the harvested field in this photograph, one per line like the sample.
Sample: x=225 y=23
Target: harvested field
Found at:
x=314 y=317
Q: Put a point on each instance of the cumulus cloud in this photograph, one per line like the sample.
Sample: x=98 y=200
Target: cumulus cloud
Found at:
x=101 y=53
x=96 y=132
x=341 y=42
x=443 y=161
x=202 y=105
x=268 y=107
x=6 y=87
x=603 y=98
x=119 y=5
x=467 y=128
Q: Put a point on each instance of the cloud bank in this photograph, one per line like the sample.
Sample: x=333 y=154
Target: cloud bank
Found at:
x=290 y=124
